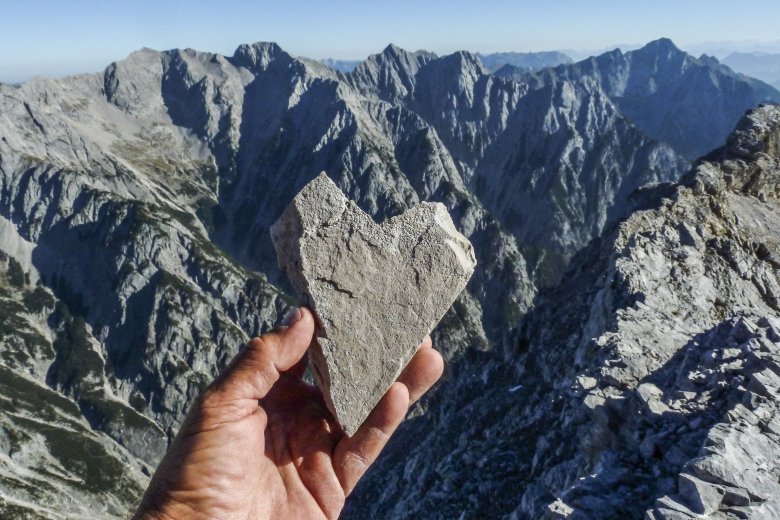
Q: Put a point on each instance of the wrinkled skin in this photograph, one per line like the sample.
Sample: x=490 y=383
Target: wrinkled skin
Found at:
x=260 y=443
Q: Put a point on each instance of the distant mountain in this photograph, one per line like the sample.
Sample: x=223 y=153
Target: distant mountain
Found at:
x=579 y=54
x=525 y=60
x=553 y=163
x=764 y=66
x=689 y=103
x=340 y=65
x=135 y=256
x=722 y=49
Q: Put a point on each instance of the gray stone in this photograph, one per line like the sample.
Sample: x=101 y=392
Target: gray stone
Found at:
x=651 y=395
x=377 y=290
x=702 y=497
x=736 y=497
x=669 y=509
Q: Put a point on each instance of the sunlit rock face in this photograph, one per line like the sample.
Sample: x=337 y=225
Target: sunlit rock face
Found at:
x=136 y=259
x=645 y=385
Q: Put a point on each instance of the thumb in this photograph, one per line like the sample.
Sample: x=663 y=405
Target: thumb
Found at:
x=256 y=368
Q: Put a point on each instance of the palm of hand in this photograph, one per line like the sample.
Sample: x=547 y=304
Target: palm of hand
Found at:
x=260 y=443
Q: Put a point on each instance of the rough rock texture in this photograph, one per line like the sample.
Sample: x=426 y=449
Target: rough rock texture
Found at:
x=645 y=385
x=553 y=163
x=136 y=203
x=377 y=289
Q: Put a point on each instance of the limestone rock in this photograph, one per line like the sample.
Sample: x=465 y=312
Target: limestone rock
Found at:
x=377 y=290
x=670 y=309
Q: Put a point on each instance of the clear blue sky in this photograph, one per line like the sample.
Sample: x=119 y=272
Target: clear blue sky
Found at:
x=54 y=37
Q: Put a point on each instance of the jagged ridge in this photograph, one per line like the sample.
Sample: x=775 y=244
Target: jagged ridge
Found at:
x=646 y=385
x=139 y=201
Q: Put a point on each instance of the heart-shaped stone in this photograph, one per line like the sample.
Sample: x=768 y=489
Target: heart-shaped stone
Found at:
x=377 y=290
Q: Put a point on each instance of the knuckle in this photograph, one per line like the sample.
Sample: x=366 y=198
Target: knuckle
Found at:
x=264 y=345
x=256 y=343
x=353 y=465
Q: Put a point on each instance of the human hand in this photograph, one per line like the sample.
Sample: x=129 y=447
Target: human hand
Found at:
x=260 y=443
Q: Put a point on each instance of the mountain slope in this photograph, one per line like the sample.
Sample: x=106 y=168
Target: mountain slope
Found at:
x=648 y=383
x=553 y=164
x=135 y=206
x=115 y=181
x=690 y=103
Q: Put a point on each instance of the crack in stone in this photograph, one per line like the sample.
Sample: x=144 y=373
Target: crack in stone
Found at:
x=34 y=120
x=404 y=274
x=336 y=286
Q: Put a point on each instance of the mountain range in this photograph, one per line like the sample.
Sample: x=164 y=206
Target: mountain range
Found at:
x=524 y=60
x=493 y=61
x=666 y=93
x=645 y=385
x=136 y=259
x=762 y=65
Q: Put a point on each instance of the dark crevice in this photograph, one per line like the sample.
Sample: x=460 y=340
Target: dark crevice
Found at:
x=336 y=287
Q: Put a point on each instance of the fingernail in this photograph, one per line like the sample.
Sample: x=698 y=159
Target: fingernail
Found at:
x=292 y=316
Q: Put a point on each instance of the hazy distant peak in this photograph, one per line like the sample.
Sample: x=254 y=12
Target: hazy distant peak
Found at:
x=762 y=65
x=529 y=61
x=751 y=55
x=340 y=65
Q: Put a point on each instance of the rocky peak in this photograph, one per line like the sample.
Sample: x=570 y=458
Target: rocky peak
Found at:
x=467 y=59
x=662 y=89
x=659 y=46
x=257 y=56
x=757 y=134
x=129 y=82
x=459 y=66
x=144 y=197
x=391 y=73
x=395 y=53
x=749 y=162
x=648 y=378
x=656 y=60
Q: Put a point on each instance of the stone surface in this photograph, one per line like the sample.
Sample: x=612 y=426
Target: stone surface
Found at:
x=377 y=290
x=676 y=307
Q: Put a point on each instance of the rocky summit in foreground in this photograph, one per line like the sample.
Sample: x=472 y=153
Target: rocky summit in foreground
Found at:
x=647 y=385
x=586 y=372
